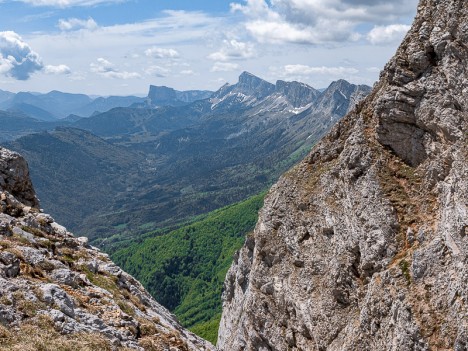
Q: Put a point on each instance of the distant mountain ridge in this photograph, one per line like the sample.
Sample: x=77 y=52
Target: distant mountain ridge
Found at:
x=165 y=96
x=55 y=102
x=58 y=105
x=240 y=140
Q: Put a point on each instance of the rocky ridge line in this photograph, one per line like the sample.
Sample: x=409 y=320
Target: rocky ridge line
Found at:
x=58 y=291
x=364 y=245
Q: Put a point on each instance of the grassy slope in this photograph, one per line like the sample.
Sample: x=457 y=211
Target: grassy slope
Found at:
x=184 y=269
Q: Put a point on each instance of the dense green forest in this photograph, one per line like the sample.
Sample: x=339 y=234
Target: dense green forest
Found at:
x=184 y=269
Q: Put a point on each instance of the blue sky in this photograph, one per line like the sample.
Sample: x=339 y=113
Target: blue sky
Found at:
x=121 y=47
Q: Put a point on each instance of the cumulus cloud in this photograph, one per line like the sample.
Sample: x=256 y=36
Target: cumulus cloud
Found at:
x=76 y=24
x=162 y=53
x=294 y=70
x=233 y=50
x=68 y=3
x=224 y=67
x=387 y=34
x=107 y=69
x=60 y=69
x=187 y=72
x=373 y=69
x=157 y=71
x=317 y=21
x=17 y=59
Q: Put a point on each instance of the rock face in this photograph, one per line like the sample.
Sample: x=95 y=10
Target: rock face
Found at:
x=56 y=290
x=14 y=179
x=364 y=245
x=298 y=94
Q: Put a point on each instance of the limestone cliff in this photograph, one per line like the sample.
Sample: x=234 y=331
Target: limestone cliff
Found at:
x=59 y=293
x=364 y=245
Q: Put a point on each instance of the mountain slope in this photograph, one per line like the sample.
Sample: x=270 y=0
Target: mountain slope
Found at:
x=5 y=95
x=32 y=111
x=58 y=292
x=363 y=245
x=84 y=167
x=184 y=269
x=17 y=124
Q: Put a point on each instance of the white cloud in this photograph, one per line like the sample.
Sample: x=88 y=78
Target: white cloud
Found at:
x=107 y=69
x=317 y=21
x=374 y=69
x=187 y=72
x=60 y=69
x=75 y=24
x=69 y=3
x=17 y=59
x=157 y=71
x=233 y=50
x=387 y=34
x=118 y=42
x=301 y=70
x=224 y=67
x=161 y=53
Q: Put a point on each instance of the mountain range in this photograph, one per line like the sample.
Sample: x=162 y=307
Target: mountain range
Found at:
x=178 y=161
x=134 y=177
x=57 y=105
x=362 y=245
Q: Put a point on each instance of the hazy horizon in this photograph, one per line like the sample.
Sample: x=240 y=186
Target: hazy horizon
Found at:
x=120 y=47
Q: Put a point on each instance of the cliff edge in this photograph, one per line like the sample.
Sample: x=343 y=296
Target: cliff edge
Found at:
x=364 y=244
x=59 y=293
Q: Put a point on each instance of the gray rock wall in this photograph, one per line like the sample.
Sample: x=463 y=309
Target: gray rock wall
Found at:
x=364 y=245
x=14 y=178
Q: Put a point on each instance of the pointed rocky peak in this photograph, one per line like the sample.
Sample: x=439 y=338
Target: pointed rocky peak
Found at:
x=345 y=89
x=339 y=84
x=296 y=93
x=247 y=91
x=341 y=96
x=250 y=84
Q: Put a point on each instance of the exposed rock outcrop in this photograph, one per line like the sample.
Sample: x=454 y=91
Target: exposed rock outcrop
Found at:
x=364 y=245
x=56 y=290
x=297 y=94
x=14 y=179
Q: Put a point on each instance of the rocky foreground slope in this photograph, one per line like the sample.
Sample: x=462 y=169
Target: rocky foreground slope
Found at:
x=364 y=245
x=59 y=293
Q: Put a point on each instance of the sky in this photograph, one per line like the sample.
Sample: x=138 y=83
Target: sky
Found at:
x=120 y=47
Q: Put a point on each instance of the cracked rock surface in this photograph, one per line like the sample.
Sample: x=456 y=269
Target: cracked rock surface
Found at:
x=364 y=245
